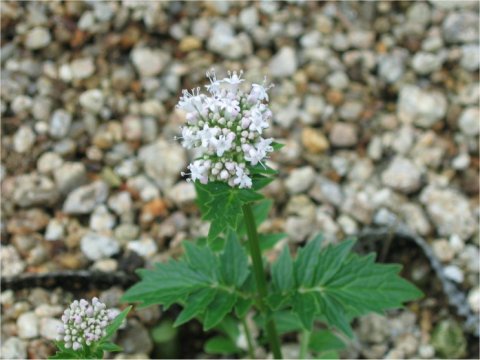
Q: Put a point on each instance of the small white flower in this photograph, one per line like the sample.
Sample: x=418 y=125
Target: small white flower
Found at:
x=215 y=85
x=198 y=171
x=242 y=179
x=207 y=134
x=223 y=143
x=234 y=79
x=191 y=102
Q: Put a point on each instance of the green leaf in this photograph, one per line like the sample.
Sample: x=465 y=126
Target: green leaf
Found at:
x=218 y=308
x=260 y=181
x=324 y=340
x=286 y=322
x=202 y=259
x=305 y=307
x=277 y=146
x=196 y=304
x=116 y=323
x=242 y=307
x=307 y=260
x=282 y=272
x=220 y=345
x=329 y=355
x=262 y=169
x=338 y=285
x=234 y=262
x=260 y=213
x=66 y=354
x=268 y=241
x=110 y=347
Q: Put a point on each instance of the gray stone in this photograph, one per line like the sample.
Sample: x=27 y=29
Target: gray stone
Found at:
x=55 y=230
x=249 y=17
x=361 y=39
x=423 y=108
x=402 y=175
x=338 y=80
x=454 y=273
x=469 y=121
x=120 y=202
x=163 y=161
x=284 y=62
x=416 y=219
x=82 y=68
x=96 y=246
x=23 y=139
x=450 y=211
x=135 y=338
x=343 y=135
x=146 y=247
x=424 y=63
x=84 y=199
x=70 y=176
x=148 y=61
x=419 y=13
x=351 y=110
x=11 y=263
x=183 y=194
x=461 y=27
x=60 y=124
x=470 y=57
x=326 y=191
x=49 y=328
x=14 y=348
x=37 y=38
x=27 y=325
x=223 y=41
x=474 y=299
x=101 y=219
x=300 y=180
x=92 y=100
x=392 y=66
x=297 y=228
x=33 y=189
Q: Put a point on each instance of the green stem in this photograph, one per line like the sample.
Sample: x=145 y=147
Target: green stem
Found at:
x=304 y=341
x=248 y=334
x=256 y=255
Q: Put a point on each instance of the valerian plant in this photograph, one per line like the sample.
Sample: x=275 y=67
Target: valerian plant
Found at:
x=318 y=292
x=87 y=330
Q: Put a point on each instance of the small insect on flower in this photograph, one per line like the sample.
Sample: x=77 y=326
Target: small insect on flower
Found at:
x=85 y=323
x=226 y=127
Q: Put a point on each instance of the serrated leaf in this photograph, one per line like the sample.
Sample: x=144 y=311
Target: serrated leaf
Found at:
x=268 y=241
x=110 y=347
x=307 y=260
x=329 y=355
x=324 y=340
x=305 y=306
x=221 y=305
x=339 y=285
x=201 y=258
x=286 y=322
x=234 y=262
x=260 y=181
x=66 y=354
x=230 y=327
x=249 y=195
x=196 y=304
x=282 y=272
x=277 y=146
x=262 y=169
x=220 y=345
x=116 y=323
x=242 y=307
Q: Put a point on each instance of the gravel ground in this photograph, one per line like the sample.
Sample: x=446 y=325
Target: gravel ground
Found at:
x=376 y=102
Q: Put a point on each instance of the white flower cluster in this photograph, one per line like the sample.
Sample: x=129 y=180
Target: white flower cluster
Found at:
x=84 y=324
x=226 y=126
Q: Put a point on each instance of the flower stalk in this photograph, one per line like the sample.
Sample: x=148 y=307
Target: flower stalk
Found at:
x=258 y=269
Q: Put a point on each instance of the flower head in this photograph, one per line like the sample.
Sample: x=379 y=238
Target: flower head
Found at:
x=84 y=323
x=227 y=125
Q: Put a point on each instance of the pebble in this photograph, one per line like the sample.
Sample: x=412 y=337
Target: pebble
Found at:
x=190 y=43
x=164 y=172
x=454 y=273
x=450 y=211
x=37 y=38
x=28 y=325
x=48 y=162
x=183 y=194
x=314 y=140
x=469 y=121
x=145 y=247
x=149 y=61
x=391 y=67
x=460 y=27
x=101 y=219
x=326 y=191
x=461 y=161
x=24 y=139
x=443 y=250
x=33 y=189
x=338 y=80
x=60 y=124
x=300 y=179
x=351 y=110
x=96 y=246
x=14 y=348
x=82 y=68
x=343 y=135
x=85 y=198
x=470 y=57
x=92 y=100
x=135 y=338
x=46 y=310
x=425 y=63
x=69 y=176
x=422 y=107
x=402 y=175
x=121 y=202
x=474 y=299
x=223 y=41
x=11 y=263
x=284 y=62
x=298 y=229
x=49 y=328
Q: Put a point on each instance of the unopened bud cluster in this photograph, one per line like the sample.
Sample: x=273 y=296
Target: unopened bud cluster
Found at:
x=226 y=126
x=84 y=324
